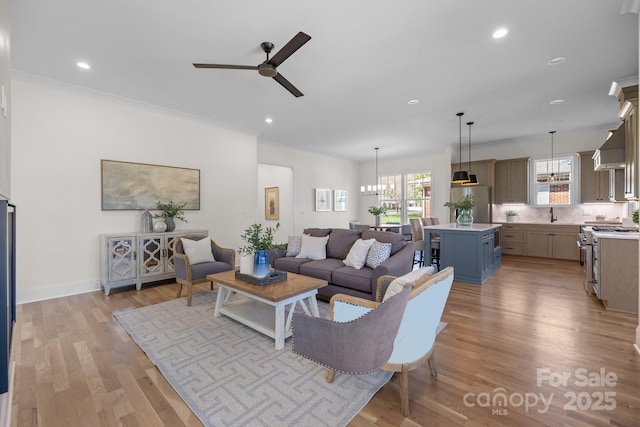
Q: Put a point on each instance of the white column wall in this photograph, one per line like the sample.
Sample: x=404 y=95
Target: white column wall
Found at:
x=61 y=132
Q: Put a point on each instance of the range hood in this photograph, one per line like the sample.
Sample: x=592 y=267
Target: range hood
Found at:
x=611 y=154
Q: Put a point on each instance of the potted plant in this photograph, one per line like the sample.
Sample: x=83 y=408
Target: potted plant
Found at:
x=510 y=214
x=377 y=211
x=463 y=208
x=169 y=212
x=258 y=240
x=634 y=216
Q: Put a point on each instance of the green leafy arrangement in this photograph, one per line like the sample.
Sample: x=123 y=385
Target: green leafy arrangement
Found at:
x=511 y=213
x=259 y=239
x=171 y=210
x=634 y=216
x=467 y=202
x=376 y=211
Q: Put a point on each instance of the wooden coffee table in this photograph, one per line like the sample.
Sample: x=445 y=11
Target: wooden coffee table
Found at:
x=266 y=306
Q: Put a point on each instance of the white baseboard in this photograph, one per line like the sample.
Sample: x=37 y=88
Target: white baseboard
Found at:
x=56 y=291
x=6 y=399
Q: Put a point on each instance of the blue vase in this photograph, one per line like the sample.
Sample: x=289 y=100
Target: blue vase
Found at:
x=261 y=264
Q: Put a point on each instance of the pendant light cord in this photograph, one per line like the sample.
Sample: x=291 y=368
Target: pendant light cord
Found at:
x=460 y=133
x=469 y=124
x=377 y=148
x=552 y=174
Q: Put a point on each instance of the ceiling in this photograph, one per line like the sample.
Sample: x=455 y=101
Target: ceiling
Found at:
x=365 y=61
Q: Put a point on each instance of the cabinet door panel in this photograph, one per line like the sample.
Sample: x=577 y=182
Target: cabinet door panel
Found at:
x=121 y=259
x=151 y=256
x=539 y=244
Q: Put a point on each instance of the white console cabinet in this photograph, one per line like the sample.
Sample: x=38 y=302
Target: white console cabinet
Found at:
x=137 y=258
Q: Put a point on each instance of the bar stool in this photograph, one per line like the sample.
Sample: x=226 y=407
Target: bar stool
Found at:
x=435 y=241
x=417 y=237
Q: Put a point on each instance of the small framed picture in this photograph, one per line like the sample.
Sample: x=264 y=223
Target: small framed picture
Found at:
x=340 y=200
x=323 y=199
x=272 y=203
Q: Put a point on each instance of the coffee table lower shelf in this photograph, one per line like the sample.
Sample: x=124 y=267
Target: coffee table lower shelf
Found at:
x=270 y=318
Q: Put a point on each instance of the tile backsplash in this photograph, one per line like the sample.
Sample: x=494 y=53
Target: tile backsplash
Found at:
x=570 y=214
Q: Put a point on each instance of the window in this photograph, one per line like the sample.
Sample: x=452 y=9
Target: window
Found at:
x=553 y=182
x=407 y=196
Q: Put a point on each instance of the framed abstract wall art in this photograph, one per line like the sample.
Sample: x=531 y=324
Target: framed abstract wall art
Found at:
x=272 y=203
x=135 y=186
x=323 y=200
x=339 y=200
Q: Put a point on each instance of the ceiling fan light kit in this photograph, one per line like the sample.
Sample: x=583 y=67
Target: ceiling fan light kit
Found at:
x=269 y=68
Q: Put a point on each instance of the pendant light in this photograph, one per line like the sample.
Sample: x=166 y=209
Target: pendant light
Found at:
x=473 y=179
x=460 y=176
x=552 y=177
x=372 y=190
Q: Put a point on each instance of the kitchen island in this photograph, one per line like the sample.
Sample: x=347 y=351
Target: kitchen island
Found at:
x=616 y=270
x=473 y=251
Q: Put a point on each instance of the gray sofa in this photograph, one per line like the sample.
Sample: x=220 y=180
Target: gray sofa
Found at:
x=341 y=278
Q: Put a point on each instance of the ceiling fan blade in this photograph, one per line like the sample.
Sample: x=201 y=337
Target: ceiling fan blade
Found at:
x=287 y=85
x=228 y=67
x=294 y=44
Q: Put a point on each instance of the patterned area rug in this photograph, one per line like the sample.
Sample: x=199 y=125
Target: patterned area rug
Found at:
x=231 y=375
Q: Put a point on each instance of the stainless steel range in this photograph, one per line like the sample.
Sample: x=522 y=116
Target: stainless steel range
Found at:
x=590 y=253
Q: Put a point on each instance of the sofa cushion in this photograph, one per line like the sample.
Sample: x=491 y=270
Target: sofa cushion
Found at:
x=410 y=279
x=198 y=251
x=290 y=264
x=378 y=253
x=321 y=269
x=397 y=240
x=293 y=245
x=349 y=277
x=357 y=256
x=313 y=247
x=340 y=242
x=317 y=232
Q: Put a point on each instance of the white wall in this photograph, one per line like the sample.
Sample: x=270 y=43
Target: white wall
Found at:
x=563 y=143
x=281 y=177
x=311 y=171
x=439 y=165
x=5 y=116
x=61 y=132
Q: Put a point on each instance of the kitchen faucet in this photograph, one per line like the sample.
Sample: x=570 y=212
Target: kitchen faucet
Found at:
x=551 y=212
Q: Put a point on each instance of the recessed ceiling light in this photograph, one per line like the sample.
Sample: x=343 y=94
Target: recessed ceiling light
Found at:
x=500 y=33
x=83 y=65
x=557 y=60
x=413 y=101
x=268 y=120
x=556 y=101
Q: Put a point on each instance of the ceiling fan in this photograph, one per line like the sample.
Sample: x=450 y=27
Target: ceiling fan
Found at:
x=269 y=68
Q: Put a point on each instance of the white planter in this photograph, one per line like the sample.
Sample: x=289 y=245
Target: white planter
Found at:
x=246 y=264
x=510 y=218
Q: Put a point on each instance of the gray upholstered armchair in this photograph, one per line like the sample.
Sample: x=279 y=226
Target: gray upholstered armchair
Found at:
x=188 y=273
x=350 y=347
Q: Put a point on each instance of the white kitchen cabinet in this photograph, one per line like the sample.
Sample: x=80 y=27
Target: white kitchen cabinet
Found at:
x=137 y=258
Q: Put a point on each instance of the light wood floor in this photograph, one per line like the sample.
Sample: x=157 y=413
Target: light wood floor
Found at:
x=75 y=365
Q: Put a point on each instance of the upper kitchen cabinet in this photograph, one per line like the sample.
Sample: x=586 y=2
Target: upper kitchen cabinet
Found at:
x=594 y=185
x=483 y=169
x=628 y=98
x=511 y=181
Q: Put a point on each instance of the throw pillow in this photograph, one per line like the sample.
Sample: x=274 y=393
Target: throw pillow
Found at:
x=378 y=254
x=294 y=245
x=313 y=247
x=410 y=279
x=358 y=253
x=198 y=251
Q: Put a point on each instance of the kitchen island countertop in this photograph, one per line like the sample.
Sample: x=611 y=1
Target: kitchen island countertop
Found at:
x=476 y=226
